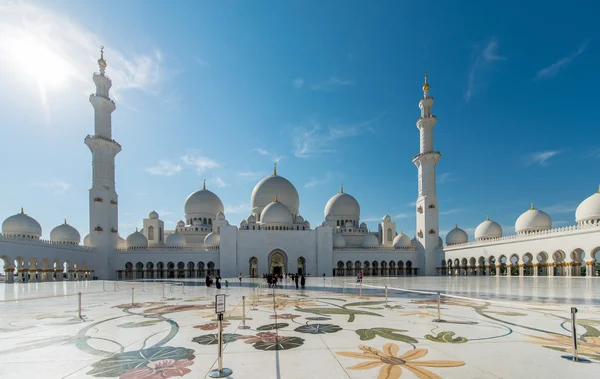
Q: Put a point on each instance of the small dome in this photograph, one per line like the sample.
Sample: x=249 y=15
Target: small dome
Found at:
x=220 y=216
x=456 y=236
x=276 y=213
x=197 y=222
x=121 y=243
x=176 y=239
x=243 y=223
x=533 y=220
x=212 y=239
x=21 y=225
x=369 y=240
x=136 y=240
x=387 y=218
x=589 y=209
x=251 y=219
x=180 y=224
x=299 y=219
x=339 y=240
x=342 y=205
x=488 y=229
x=363 y=226
x=203 y=202
x=65 y=233
x=402 y=241
x=349 y=224
x=87 y=241
x=329 y=218
x=153 y=215
x=307 y=224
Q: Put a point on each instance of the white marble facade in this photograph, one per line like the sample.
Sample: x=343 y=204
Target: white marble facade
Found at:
x=276 y=238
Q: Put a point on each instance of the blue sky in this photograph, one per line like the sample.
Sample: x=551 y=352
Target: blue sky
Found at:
x=219 y=90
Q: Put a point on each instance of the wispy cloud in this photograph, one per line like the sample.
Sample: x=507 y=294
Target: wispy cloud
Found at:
x=201 y=163
x=274 y=156
x=331 y=84
x=482 y=60
x=250 y=174
x=164 y=168
x=560 y=64
x=560 y=208
x=59 y=187
x=412 y=204
x=402 y=215
x=238 y=209
x=220 y=182
x=446 y=177
x=316 y=140
x=540 y=157
x=314 y=182
x=298 y=83
x=450 y=211
x=35 y=40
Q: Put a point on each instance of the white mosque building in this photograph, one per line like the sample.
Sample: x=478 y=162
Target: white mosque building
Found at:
x=275 y=237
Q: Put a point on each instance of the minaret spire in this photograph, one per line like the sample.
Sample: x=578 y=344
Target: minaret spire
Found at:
x=342 y=188
x=274 y=168
x=101 y=61
x=204 y=184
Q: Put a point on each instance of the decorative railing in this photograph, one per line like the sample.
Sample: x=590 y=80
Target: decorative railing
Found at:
x=43 y=242
x=169 y=248
x=102 y=138
x=427 y=152
x=382 y=248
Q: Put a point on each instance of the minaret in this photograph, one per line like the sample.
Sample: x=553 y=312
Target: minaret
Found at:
x=104 y=220
x=427 y=201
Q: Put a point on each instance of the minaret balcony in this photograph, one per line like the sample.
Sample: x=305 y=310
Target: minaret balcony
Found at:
x=426 y=117
x=432 y=152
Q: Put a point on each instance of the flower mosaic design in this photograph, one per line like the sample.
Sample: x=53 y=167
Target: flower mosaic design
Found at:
x=260 y=337
x=589 y=346
x=213 y=339
x=419 y=314
x=167 y=368
x=392 y=364
x=211 y=325
x=387 y=333
x=458 y=303
x=285 y=316
x=178 y=308
x=271 y=341
x=318 y=329
x=278 y=325
x=139 y=305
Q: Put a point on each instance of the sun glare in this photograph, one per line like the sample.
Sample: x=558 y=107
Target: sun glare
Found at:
x=32 y=57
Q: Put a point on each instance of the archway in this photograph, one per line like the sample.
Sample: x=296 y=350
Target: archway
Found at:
x=277 y=262
x=253 y=267
x=301 y=266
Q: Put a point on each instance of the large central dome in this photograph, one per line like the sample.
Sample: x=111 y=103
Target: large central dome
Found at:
x=203 y=202
x=275 y=186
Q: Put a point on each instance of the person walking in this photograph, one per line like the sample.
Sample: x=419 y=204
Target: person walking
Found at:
x=302 y=281
x=218 y=281
x=240 y=278
x=296 y=280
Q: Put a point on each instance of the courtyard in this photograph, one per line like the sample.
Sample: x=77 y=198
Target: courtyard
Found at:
x=493 y=327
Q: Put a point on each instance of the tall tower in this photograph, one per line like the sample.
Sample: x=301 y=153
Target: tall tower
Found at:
x=427 y=201
x=104 y=220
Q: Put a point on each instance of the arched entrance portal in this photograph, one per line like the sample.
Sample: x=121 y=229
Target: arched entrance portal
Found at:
x=277 y=262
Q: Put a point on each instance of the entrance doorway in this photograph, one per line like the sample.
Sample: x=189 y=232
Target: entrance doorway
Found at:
x=277 y=262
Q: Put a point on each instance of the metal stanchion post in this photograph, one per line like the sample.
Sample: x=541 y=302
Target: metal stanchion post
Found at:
x=79 y=304
x=343 y=286
x=220 y=372
x=244 y=326
x=575 y=357
x=132 y=295
x=439 y=301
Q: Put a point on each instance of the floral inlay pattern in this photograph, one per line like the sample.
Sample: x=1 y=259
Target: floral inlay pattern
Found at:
x=392 y=364
x=589 y=346
x=167 y=368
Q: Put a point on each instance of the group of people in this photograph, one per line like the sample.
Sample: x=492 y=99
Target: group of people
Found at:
x=272 y=279
x=209 y=281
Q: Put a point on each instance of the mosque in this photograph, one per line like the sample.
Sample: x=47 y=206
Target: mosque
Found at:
x=275 y=237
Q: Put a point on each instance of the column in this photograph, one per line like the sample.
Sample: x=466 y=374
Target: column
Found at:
x=521 y=269
x=535 y=269
x=498 y=270
x=550 y=268
x=590 y=269
x=508 y=270
x=568 y=268
x=25 y=274
x=9 y=275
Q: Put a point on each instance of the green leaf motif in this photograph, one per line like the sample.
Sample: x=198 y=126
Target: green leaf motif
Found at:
x=142 y=324
x=318 y=329
x=446 y=337
x=119 y=363
x=318 y=318
x=213 y=339
x=283 y=343
x=278 y=325
x=337 y=311
x=387 y=333
x=364 y=303
x=507 y=313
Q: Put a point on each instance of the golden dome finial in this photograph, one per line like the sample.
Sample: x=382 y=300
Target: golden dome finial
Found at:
x=136 y=230
x=204 y=184
x=532 y=207
x=456 y=226
x=342 y=188
x=426 y=85
x=599 y=188
x=276 y=199
x=274 y=168
x=65 y=221
x=101 y=61
x=22 y=211
x=487 y=218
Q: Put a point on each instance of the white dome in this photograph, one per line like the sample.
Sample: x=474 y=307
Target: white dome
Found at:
x=196 y=223
x=488 y=229
x=265 y=191
x=349 y=224
x=65 y=233
x=387 y=218
x=307 y=224
x=589 y=209
x=251 y=218
x=212 y=239
x=339 y=240
x=533 y=220
x=121 y=244
x=180 y=224
x=276 y=213
x=153 y=215
x=329 y=218
x=243 y=223
x=402 y=241
x=136 y=240
x=369 y=240
x=456 y=236
x=176 y=239
x=363 y=226
x=87 y=241
x=299 y=219
x=203 y=202
x=21 y=225
x=342 y=205
x=220 y=216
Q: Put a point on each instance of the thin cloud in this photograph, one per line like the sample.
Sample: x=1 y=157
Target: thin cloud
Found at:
x=238 y=209
x=412 y=204
x=402 y=215
x=250 y=174
x=449 y=212
x=316 y=140
x=482 y=60
x=541 y=157
x=298 y=83
x=314 y=182
x=274 y=156
x=560 y=208
x=59 y=187
x=220 y=182
x=560 y=64
x=331 y=84
x=164 y=168
x=201 y=163
x=446 y=177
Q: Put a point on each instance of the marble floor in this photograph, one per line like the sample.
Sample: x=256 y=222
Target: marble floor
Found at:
x=511 y=328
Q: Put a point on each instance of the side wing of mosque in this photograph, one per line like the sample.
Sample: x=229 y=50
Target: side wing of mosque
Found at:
x=275 y=238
